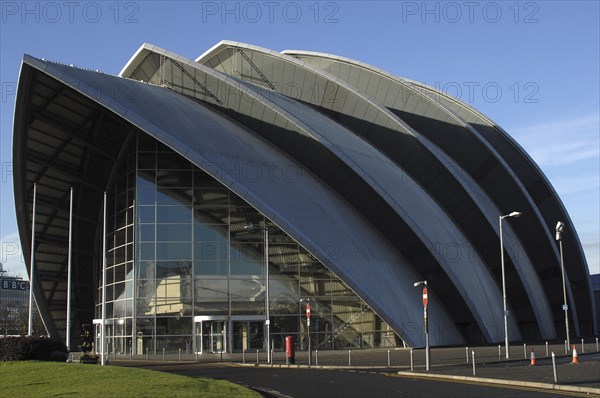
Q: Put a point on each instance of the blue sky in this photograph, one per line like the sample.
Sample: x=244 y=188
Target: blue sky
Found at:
x=531 y=66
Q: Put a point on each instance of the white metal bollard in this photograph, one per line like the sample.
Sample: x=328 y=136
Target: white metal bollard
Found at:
x=566 y=349
x=412 y=367
x=147 y=357
x=597 y=344
x=546 y=349
x=180 y=355
x=257 y=357
x=467 y=353
x=554 y=367
x=163 y=354
x=317 y=357
x=473 y=358
x=582 y=347
x=525 y=350
x=499 y=351
x=349 y=357
x=389 y=360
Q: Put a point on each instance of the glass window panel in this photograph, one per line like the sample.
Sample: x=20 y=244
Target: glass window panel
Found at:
x=203 y=180
x=210 y=289
x=249 y=290
x=119 y=290
x=172 y=160
x=121 y=202
x=174 y=232
x=110 y=276
x=174 y=214
x=146 y=160
x=170 y=268
x=145 y=306
x=129 y=231
x=211 y=198
x=145 y=326
x=146 y=196
x=146 y=143
x=174 y=178
x=145 y=288
x=210 y=268
x=174 y=325
x=146 y=251
x=120 y=255
x=146 y=179
x=248 y=307
x=120 y=237
x=247 y=259
x=120 y=273
x=146 y=214
x=210 y=233
x=129 y=289
x=210 y=251
x=146 y=232
x=173 y=251
x=174 y=197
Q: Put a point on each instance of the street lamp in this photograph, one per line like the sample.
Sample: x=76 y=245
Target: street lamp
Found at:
x=308 y=329
x=513 y=214
x=426 y=327
x=559 y=230
x=265 y=229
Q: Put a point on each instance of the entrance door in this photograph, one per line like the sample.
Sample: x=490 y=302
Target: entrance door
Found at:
x=211 y=336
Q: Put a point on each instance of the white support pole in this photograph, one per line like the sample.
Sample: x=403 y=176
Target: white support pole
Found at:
x=103 y=324
x=69 y=260
x=32 y=260
x=268 y=319
x=565 y=305
x=504 y=292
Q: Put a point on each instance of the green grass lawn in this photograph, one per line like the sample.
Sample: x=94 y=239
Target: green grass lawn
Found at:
x=54 y=379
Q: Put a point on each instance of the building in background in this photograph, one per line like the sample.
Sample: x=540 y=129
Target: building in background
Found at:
x=14 y=304
x=244 y=183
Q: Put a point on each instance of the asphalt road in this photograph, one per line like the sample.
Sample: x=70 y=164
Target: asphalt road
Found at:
x=306 y=383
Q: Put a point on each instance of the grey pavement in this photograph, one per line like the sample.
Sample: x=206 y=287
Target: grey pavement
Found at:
x=445 y=362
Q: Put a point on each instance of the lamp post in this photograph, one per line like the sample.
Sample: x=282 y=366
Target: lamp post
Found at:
x=308 y=329
x=559 y=230
x=265 y=229
x=513 y=214
x=426 y=326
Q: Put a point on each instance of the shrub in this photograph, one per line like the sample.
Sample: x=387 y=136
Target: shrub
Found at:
x=28 y=348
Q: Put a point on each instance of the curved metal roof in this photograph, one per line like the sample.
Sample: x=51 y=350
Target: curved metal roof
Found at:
x=404 y=196
x=540 y=196
x=415 y=171
x=320 y=217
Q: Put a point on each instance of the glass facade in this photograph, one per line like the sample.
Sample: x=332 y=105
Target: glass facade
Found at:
x=185 y=271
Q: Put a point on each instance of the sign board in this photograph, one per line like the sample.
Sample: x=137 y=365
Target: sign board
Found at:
x=565 y=307
x=425 y=297
x=14 y=284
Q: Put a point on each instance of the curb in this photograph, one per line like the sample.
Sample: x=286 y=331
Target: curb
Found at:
x=514 y=383
x=328 y=367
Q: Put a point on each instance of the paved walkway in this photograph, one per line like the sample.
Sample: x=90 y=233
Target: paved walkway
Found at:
x=445 y=362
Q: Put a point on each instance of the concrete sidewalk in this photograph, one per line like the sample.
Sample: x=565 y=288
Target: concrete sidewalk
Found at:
x=449 y=363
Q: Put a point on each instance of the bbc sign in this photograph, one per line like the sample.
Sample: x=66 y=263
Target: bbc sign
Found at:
x=11 y=284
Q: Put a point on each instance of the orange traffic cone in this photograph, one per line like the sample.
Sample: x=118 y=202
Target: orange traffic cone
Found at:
x=533 y=361
x=575 y=360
